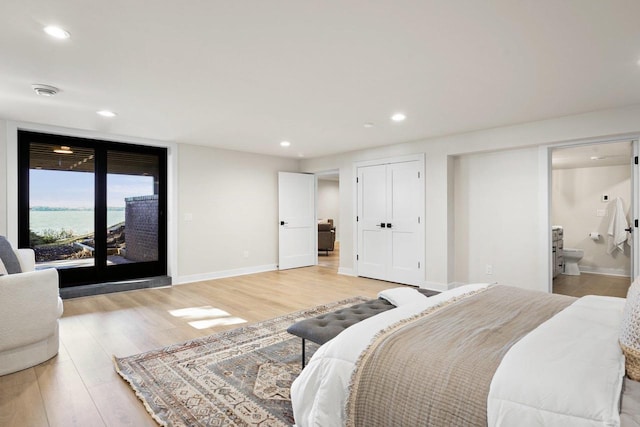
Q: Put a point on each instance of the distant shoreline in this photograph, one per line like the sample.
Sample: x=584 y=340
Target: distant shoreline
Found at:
x=61 y=209
x=77 y=220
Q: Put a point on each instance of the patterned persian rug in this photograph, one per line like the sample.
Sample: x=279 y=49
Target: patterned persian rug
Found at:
x=239 y=377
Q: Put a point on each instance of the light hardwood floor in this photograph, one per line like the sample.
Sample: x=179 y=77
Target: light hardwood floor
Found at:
x=79 y=387
x=330 y=259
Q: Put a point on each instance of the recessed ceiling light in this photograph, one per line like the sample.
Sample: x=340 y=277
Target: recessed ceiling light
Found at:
x=45 y=90
x=398 y=117
x=368 y=125
x=285 y=143
x=597 y=158
x=57 y=32
x=106 y=113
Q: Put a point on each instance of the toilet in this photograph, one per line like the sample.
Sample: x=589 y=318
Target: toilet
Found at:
x=571 y=258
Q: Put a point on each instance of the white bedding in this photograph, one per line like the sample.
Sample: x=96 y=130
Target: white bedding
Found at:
x=319 y=394
x=401 y=296
x=567 y=372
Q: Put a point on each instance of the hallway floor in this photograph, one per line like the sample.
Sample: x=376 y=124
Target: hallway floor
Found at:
x=332 y=259
x=591 y=284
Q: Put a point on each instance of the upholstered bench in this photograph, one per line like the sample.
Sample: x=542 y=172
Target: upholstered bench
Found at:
x=323 y=328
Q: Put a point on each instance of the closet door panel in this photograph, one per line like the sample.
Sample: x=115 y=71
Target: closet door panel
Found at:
x=372 y=212
x=405 y=207
x=373 y=256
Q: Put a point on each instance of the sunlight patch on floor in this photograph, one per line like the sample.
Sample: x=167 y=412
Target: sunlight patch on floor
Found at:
x=204 y=324
x=206 y=317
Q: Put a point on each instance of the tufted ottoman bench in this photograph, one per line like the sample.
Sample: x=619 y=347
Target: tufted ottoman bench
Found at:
x=323 y=328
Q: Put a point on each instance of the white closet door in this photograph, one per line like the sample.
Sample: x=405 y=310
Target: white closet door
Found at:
x=390 y=223
x=372 y=212
x=406 y=246
x=298 y=230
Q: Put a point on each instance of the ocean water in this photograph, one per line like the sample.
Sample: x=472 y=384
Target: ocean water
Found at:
x=80 y=221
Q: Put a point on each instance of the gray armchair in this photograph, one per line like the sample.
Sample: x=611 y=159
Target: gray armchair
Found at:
x=326 y=236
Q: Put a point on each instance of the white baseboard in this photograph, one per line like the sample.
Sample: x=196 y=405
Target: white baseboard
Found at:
x=346 y=271
x=225 y=273
x=454 y=285
x=435 y=286
x=605 y=271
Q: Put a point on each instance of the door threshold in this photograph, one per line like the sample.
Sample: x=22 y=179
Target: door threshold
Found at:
x=111 y=287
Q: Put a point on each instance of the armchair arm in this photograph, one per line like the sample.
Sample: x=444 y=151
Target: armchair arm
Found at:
x=30 y=307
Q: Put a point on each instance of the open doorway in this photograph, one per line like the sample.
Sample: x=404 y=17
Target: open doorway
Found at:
x=328 y=214
x=592 y=210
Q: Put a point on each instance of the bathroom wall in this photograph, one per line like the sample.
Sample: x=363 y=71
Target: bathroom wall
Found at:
x=576 y=200
x=329 y=202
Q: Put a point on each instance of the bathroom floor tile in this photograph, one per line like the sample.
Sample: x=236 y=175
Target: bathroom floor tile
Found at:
x=591 y=284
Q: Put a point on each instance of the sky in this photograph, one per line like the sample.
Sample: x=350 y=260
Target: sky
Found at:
x=66 y=189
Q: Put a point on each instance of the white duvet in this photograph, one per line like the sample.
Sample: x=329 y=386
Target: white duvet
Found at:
x=567 y=372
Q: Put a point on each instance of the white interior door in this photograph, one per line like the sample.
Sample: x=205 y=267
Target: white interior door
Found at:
x=298 y=234
x=372 y=214
x=404 y=213
x=635 y=212
x=390 y=225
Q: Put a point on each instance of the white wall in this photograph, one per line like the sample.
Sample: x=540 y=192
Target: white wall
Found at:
x=440 y=254
x=227 y=205
x=495 y=197
x=3 y=177
x=576 y=198
x=329 y=202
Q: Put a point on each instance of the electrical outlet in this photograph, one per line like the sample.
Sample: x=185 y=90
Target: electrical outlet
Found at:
x=489 y=269
x=246 y=254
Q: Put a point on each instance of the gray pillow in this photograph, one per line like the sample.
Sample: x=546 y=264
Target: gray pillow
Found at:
x=8 y=257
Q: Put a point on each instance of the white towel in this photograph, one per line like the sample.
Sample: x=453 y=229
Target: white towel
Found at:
x=617 y=227
x=400 y=296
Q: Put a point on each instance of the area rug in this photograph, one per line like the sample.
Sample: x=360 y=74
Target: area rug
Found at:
x=239 y=377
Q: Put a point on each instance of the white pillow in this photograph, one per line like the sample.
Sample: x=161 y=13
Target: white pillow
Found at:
x=630 y=331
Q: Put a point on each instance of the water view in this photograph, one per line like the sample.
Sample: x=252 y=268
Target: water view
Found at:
x=77 y=221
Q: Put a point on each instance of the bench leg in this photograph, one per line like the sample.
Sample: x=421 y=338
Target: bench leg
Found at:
x=304 y=359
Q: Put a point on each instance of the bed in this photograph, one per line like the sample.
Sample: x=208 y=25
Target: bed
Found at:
x=475 y=355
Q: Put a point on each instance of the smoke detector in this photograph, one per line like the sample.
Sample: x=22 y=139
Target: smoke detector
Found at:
x=45 y=90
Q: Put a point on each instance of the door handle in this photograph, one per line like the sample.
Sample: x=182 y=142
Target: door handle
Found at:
x=382 y=224
x=630 y=229
x=283 y=223
x=388 y=225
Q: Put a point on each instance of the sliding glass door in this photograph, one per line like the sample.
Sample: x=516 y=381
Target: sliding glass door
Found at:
x=95 y=210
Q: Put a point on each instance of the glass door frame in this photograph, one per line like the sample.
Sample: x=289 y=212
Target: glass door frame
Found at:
x=100 y=272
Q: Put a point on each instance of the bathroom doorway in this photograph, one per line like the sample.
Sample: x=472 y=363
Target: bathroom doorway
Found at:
x=592 y=217
x=328 y=214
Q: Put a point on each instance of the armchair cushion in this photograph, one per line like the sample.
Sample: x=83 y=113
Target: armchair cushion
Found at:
x=27 y=259
x=8 y=257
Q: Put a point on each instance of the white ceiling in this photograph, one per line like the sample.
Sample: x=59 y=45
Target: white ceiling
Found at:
x=245 y=75
x=593 y=155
